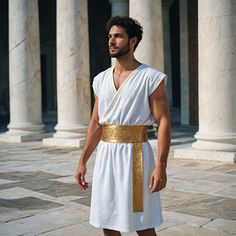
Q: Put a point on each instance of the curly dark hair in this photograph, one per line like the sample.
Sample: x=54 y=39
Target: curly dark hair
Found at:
x=131 y=26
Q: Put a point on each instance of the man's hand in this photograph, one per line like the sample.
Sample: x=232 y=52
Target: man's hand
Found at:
x=158 y=179
x=80 y=176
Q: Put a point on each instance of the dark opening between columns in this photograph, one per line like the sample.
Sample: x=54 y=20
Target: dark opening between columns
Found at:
x=4 y=66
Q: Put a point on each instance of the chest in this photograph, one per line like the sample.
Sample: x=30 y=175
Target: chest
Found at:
x=129 y=91
x=119 y=79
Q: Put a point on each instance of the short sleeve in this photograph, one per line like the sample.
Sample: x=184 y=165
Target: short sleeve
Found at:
x=95 y=86
x=154 y=82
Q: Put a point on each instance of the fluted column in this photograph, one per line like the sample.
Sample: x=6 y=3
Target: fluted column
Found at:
x=216 y=138
x=25 y=80
x=73 y=83
x=149 y=14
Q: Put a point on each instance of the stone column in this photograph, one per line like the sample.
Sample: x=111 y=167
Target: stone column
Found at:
x=25 y=79
x=184 y=63
x=150 y=50
x=216 y=138
x=73 y=82
x=119 y=7
x=149 y=14
x=167 y=48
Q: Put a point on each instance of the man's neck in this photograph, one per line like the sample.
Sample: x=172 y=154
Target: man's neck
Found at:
x=123 y=65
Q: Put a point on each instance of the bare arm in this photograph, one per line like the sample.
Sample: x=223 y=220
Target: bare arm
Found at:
x=93 y=136
x=159 y=107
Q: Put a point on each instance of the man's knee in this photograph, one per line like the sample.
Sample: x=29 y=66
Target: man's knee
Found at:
x=109 y=232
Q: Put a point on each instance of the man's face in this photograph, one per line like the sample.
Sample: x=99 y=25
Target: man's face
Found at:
x=119 y=43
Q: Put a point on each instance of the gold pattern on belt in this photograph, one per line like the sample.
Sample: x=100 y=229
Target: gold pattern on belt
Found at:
x=135 y=134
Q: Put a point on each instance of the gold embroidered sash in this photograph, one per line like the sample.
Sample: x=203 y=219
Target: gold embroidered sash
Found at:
x=135 y=134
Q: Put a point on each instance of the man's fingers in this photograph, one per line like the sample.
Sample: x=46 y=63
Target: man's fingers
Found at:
x=157 y=181
x=151 y=182
x=82 y=177
x=155 y=185
x=77 y=178
x=83 y=183
x=164 y=185
x=80 y=180
x=158 y=185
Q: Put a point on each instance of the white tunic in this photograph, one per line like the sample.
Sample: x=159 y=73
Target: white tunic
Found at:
x=112 y=187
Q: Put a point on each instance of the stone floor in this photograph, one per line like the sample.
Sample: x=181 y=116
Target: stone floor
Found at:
x=38 y=194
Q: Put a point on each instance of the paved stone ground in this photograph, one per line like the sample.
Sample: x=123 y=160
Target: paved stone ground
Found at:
x=38 y=195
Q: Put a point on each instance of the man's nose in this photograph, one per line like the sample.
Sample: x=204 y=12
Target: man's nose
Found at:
x=112 y=40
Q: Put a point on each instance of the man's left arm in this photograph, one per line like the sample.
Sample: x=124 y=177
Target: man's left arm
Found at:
x=160 y=110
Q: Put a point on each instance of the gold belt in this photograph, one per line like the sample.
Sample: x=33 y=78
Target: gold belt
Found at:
x=135 y=134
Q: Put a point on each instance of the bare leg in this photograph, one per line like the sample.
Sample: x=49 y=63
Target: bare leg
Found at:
x=109 y=232
x=147 y=232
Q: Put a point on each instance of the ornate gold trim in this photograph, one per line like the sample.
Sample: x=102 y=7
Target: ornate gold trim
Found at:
x=135 y=134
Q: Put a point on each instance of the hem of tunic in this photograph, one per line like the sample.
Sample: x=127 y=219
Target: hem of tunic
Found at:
x=124 y=229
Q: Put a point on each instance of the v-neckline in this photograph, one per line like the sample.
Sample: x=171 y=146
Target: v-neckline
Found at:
x=128 y=77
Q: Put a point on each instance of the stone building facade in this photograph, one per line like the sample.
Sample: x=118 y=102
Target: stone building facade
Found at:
x=51 y=50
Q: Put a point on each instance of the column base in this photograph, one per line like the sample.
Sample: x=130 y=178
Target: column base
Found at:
x=64 y=142
x=215 y=142
x=20 y=138
x=194 y=154
x=67 y=136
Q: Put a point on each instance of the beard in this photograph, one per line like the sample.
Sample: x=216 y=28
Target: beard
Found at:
x=123 y=51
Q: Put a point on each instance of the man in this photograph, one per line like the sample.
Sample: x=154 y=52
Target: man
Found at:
x=128 y=97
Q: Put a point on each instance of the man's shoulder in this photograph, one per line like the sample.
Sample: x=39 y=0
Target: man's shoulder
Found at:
x=153 y=75
x=99 y=79
x=151 y=71
x=103 y=74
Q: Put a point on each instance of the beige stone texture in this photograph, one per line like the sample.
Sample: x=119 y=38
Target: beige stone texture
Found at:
x=217 y=71
x=25 y=79
x=149 y=14
x=73 y=79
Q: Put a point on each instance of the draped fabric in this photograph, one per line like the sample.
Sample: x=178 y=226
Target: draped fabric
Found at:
x=111 y=202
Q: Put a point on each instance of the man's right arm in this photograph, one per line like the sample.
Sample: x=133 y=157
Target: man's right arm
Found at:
x=93 y=136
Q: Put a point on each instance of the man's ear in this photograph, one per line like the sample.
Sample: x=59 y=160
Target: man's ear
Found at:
x=133 y=41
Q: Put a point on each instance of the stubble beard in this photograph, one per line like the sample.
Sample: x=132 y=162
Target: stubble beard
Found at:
x=125 y=50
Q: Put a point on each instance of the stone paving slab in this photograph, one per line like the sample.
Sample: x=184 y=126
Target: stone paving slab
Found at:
x=44 y=222
x=222 y=225
x=187 y=230
x=74 y=230
x=38 y=194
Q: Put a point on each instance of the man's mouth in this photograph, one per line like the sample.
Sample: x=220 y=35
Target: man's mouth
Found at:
x=112 y=48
